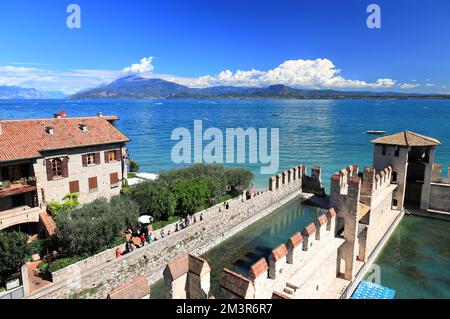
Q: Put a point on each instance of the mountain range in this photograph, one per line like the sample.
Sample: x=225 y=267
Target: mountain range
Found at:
x=20 y=93
x=136 y=87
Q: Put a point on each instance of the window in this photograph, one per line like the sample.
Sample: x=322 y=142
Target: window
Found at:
x=397 y=151
x=383 y=149
x=91 y=159
x=57 y=168
x=114 y=179
x=112 y=156
x=74 y=187
x=93 y=185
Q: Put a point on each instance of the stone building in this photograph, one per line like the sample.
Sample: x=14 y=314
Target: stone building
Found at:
x=43 y=160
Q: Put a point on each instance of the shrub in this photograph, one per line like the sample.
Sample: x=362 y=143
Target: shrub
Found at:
x=14 y=250
x=58 y=209
x=87 y=229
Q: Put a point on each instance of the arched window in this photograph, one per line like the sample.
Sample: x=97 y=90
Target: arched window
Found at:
x=56 y=167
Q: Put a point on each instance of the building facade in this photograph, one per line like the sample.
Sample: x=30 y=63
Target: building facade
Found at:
x=44 y=160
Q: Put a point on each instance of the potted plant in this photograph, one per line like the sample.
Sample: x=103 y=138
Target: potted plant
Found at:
x=32 y=181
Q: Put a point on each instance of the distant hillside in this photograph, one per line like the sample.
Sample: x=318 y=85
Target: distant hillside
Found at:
x=136 y=87
x=16 y=92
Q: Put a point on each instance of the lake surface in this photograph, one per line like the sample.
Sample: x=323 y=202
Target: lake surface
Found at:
x=328 y=133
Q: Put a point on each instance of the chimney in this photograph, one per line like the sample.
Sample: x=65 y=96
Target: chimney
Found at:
x=57 y=116
x=100 y=114
x=49 y=130
x=83 y=127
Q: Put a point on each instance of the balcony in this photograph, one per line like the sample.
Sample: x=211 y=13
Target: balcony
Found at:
x=24 y=185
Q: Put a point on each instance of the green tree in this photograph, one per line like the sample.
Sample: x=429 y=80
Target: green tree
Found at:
x=193 y=195
x=14 y=250
x=87 y=229
x=154 y=198
x=238 y=179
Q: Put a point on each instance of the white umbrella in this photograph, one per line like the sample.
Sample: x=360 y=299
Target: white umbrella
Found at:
x=145 y=219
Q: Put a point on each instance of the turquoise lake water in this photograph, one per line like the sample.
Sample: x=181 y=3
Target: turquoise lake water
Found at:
x=328 y=133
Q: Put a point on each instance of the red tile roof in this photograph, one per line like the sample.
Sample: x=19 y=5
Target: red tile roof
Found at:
x=295 y=240
x=279 y=252
x=259 y=268
x=24 y=139
x=309 y=230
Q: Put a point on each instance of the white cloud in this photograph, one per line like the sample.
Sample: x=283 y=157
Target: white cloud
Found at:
x=144 y=67
x=297 y=73
x=408 y=85
x=67 y=81
x=429 y=84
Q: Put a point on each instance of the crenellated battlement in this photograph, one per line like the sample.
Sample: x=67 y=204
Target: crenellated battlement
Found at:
x=283 y=263
x=289 y=177
x=187 y=276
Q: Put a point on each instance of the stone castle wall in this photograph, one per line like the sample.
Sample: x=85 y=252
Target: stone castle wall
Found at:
x=440 y=190
x=102 y=273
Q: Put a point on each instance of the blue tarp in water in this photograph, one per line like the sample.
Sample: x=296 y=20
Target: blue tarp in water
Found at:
x=369 y=290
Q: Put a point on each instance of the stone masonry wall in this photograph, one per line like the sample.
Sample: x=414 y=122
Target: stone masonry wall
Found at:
x=89 y=281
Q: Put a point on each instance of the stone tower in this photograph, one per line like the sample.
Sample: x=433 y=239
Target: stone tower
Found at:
x=411 y=157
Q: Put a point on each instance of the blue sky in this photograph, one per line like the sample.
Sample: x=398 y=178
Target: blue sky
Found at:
x=319 y=44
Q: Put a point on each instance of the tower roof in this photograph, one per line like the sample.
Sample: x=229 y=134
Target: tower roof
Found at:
x=406 y=138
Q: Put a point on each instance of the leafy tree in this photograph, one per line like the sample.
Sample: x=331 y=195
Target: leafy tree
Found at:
x=192 y=195
x=238 y=179
x=14 y=250
x=86 y=229
x=154 y=198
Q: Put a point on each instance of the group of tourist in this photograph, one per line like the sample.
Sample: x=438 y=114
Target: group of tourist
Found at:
x=144 y=234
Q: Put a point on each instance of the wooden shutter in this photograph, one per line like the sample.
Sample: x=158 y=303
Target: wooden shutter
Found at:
x=84 y=160
x=118 y=154
x=48 y=166
x=114 y=178
x=65 y=167
x=106 y=157
x=97 y=158
x=93 y=183
x=74 y=187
